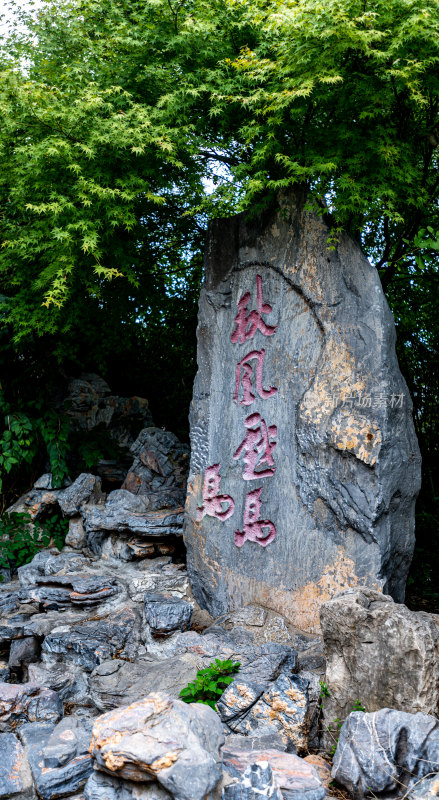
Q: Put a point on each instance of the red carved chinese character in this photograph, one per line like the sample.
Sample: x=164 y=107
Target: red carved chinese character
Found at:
x=257 y=448
x=255 y=529
x=247 y=376
x=216 y=505
x=246 y=324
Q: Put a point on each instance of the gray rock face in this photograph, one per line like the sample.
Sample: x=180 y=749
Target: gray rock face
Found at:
x=426 y=789
x=71 y=499
x=386 y=751
x=116 y=683
x=58 y=756
x=282 y=709
x=163 y=739
x=159 y=470
x=165 y=614
x=103 y=787
x=69 y=683
x=296 y=779
x=90 y=643
x=304 y=461
x=257 y=783
x=379 y=652
x=125 y=512
x=27 y=702
x=15 y=775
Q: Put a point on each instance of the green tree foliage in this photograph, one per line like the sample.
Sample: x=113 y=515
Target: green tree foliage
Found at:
x=126 y=124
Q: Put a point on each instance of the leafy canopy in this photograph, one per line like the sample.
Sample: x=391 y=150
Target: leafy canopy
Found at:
x=114 y=110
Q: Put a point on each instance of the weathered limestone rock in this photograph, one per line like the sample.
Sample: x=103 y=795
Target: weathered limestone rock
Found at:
x=69 y=683
x=27 y=703
x=58 y=756
x=166 y=614
x=161 y=738
x=257 y=783
x=386 y=751
x=125 y=512
x=90 y=643
x=15 y=775
x=293 y=775
x=104 y=787
x=76 y=536
x=160 y=468
x=379 y=652
x=84 y=488
x=282 y=709
x=304 y=462
x=116 y=683
x=426 y=789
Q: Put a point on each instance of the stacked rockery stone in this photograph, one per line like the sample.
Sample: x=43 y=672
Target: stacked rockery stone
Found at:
x=110 y=622
x=141 y=519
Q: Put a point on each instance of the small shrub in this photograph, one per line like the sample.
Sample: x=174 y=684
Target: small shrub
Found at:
x=210 y=683
x=21 y=539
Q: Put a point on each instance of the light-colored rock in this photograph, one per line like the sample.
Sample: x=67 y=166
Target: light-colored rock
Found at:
x=125 y=512
x=76 y=536
x=282 y=709
x=257 y=783
x=163 y=739
x=380 y=653
x=425 y=789
x=386 y=751
x=293 y=775
x=116 y=683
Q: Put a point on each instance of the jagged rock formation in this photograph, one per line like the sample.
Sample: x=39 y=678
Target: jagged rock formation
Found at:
x=304 y=462
x=378 y=652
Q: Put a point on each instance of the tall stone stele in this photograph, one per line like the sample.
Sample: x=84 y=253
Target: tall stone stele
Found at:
x=305 y=465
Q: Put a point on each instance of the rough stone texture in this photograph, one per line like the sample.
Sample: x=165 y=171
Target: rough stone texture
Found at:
x=58 y=756
x=380 y=653
x=297 y=779
x=103 y=787
x=76 y=537
x=159 y=470
x=164 y=739
x=322 y=768
x=15 y=775
x=426 y=789
x=386 y=751
x=84 y=487
x=27 y=703
x=257 y=783
x=125 y=512
x=35 y=503
x=116 y=683
x=69 y=683
x=238 y=698
x=92 y=642
x=235 y=741
x=24 y=651
x=284 y=709
x=346 y=473
x=166 y=614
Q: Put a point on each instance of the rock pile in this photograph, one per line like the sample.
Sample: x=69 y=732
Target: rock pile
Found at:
x=97 y=641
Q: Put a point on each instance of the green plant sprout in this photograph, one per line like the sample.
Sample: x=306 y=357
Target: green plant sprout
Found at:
x=210 y=683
